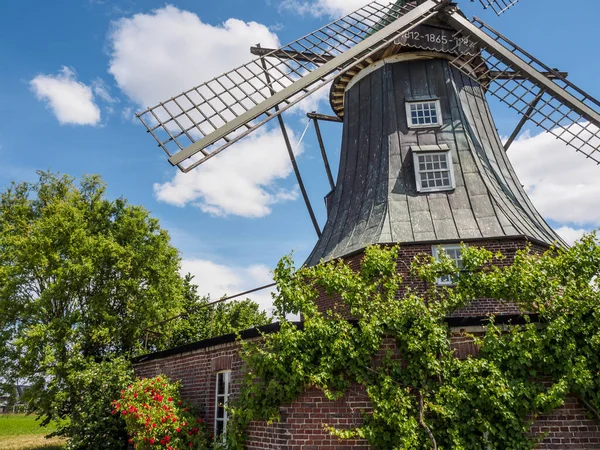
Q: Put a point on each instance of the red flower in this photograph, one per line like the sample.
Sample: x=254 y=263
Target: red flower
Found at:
x=124 y=412
x=170 y=399
x=178 y=429
x=152 y=440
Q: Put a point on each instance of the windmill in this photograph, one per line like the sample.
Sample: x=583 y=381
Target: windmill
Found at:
x=421 y=160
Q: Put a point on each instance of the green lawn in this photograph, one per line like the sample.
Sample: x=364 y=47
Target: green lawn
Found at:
x=21 y=432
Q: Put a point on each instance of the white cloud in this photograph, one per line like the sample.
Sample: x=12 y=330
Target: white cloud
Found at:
x=71 y=101
x=240 y=181
x=158 y=55
x=563 y=184
x=570 y=235
x=331 y=8
x=218 y=280
x=161 y=54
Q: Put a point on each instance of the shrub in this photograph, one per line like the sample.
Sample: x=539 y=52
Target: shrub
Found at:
x=89 y=424
x=155 y=416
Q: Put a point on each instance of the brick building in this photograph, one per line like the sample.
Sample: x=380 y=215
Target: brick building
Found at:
x=421 y=165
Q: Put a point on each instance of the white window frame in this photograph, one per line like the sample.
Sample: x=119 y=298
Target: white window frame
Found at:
x=435 y=251
x=433 y=150
x=222 y=398
x=438 y=111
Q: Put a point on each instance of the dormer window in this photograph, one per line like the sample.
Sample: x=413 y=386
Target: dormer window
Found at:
x=433 y=168
x=423 y=113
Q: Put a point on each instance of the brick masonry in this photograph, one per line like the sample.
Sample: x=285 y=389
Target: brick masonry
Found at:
x=479 y=307
x=302 y=424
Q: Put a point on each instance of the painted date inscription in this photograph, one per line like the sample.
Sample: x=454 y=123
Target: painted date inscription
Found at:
x=438 y=39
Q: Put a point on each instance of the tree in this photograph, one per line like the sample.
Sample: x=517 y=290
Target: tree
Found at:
x=81 y=277
x=422 y=396
x=203 y=321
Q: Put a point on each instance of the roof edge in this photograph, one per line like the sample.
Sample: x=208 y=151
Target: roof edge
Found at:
x=275 y=327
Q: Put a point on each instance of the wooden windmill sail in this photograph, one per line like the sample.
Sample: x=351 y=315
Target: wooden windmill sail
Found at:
x=421 y=159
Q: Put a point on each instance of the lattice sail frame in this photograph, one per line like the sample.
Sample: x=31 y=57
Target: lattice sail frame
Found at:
x=499 y=6
x=551 y=102
x=203 y=121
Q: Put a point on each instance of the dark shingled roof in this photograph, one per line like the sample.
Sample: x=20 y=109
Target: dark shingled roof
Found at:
x=376 y=201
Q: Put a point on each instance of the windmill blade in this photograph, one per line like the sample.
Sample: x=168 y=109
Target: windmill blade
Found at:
x=499 y=6
x=203 y=121
x=536 y=91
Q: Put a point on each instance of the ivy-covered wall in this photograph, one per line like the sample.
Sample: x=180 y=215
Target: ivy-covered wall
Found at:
x=477 y=308
x=301 y=426
x=400 y=374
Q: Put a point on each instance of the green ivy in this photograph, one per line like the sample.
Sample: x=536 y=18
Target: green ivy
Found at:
x=428 y=398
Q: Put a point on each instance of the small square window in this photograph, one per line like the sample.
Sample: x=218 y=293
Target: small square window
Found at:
x=423 y=114
x=433 y=168
x=454 y=252
x=221 y=399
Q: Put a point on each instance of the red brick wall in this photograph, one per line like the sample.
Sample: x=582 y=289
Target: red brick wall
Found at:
x=302 y=422
x=479 y=307
x=569 y=427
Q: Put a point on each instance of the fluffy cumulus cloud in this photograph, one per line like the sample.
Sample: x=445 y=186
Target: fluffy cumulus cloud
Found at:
x=240 y=181
x=218 y=280
x=563 y=184
x=158 y=55
x=331 y=8
x=71 y=101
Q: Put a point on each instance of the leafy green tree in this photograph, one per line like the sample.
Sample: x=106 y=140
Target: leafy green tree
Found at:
x=81 y=277
x=422 y=396
x=203 y=320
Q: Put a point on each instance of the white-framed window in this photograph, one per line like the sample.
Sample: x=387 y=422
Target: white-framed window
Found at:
x=434 y=170
x=423 y=113
x=221 y=398
x=454 y=252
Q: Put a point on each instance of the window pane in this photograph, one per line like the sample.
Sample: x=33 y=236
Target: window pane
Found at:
x=221 y=384
x=220 y=411
x=219 y=428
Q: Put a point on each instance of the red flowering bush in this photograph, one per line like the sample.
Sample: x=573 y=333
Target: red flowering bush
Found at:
x=156 y=417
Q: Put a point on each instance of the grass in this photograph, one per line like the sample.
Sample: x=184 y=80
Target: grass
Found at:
x=22 y=432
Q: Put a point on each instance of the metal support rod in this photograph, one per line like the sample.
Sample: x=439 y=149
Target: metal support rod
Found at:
x=201 y=307
x=324 y=153
x=324 y=117
x=523 y=120
x=290 y=150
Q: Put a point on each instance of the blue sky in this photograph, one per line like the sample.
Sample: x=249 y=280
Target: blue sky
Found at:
x=117 y=54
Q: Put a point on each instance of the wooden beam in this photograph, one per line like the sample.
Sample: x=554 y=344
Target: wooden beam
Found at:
x=509 y=75
x=324 y=117
x=296 y=56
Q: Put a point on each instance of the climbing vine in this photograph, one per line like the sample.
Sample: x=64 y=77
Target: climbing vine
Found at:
x=422 y=395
